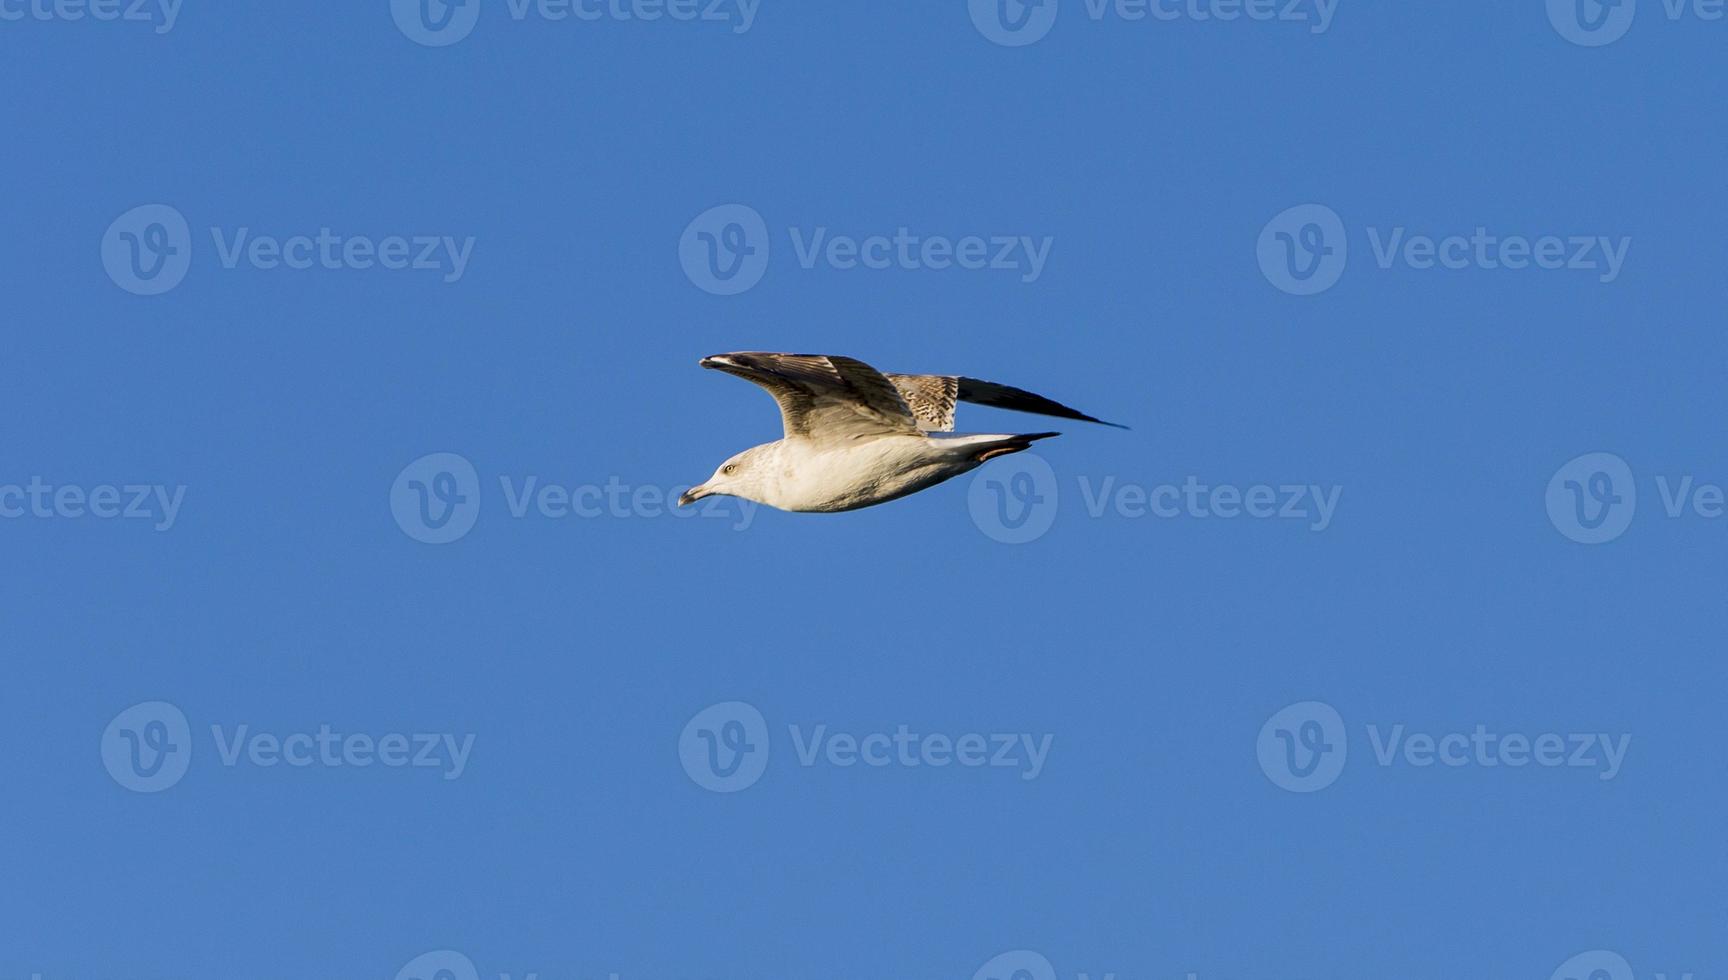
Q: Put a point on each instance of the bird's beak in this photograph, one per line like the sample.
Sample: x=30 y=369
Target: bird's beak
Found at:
x=692 y=495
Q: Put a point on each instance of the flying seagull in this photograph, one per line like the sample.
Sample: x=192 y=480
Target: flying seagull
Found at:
x=857 y=437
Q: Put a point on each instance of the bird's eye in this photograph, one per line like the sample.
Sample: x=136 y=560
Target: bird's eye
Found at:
x=729 y=469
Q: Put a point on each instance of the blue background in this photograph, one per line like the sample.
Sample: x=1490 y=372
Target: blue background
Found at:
x=575 y=650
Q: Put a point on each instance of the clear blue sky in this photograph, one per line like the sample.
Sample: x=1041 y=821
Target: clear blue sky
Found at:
x=1468 y=579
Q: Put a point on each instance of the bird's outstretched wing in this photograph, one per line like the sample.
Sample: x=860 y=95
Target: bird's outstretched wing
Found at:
x=823 y=397
x=932 y=398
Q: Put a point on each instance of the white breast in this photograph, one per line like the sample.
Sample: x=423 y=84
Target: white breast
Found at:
x=847 y=475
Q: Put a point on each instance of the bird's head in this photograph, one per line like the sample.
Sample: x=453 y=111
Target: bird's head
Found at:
x=741 y=476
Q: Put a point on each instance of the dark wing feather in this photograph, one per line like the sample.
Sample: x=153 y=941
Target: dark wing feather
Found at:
x=1020 y=400
x=932 y=398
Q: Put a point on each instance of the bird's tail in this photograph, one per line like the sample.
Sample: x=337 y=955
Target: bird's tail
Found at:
x=990 y=447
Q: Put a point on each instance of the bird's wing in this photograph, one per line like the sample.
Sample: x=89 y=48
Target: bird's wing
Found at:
x=932 y=398
x=823 y=397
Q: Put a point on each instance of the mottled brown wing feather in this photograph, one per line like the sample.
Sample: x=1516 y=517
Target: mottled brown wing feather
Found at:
x=931 y=398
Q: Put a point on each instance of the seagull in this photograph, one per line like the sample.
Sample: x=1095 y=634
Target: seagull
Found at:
x=856 y=437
